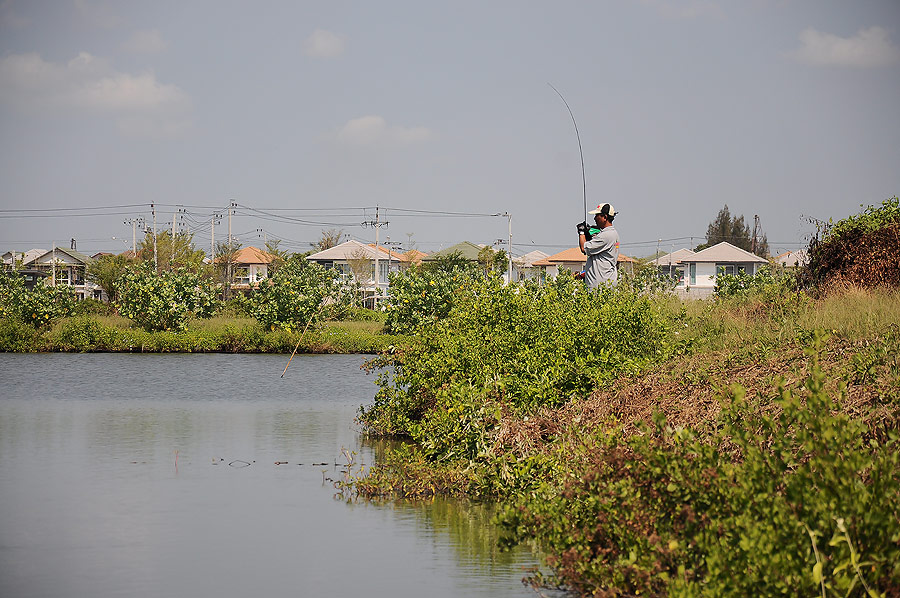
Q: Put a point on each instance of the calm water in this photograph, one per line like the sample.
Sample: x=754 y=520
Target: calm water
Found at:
x=94 y=502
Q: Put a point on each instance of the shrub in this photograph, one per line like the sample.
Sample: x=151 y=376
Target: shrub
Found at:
x=38 y=306
x=90 y=307
x=17 y=336
x=292 y=297
x=165 y=300
x=420 y=296
x=519 y=346
x=789 y=496
x=84 y=333
x=859 y=250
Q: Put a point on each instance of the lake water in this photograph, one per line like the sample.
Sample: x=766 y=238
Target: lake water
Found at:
x=201 y=475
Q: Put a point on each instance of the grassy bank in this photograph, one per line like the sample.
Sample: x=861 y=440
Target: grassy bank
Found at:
x=91 y=333
x=747 y=447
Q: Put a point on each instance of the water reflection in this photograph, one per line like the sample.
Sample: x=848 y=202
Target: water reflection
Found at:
x=91 y=503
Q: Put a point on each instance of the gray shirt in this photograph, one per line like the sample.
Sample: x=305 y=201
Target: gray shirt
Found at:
x=602 y=254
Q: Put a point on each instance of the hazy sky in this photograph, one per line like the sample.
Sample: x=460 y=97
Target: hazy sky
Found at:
x=309 y=114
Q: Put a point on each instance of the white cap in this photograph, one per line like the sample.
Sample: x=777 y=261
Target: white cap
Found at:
x=604 y=208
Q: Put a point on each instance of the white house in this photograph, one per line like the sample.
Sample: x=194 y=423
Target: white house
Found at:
x=356 y=261
x=703 y=267
x=11 y=258
x=67 y=267
x=791 y=259
x=524 y=267
x=671 y=265
x=251 y=265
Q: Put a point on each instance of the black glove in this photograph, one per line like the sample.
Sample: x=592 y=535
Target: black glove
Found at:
x=583 y=229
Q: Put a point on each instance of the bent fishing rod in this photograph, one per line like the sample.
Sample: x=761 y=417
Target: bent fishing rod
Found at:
x=580 y=152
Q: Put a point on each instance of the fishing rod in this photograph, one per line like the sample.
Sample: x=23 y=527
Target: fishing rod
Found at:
x=581 y=153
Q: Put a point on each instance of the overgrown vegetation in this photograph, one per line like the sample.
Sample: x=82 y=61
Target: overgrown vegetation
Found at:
x=165 y=300
x=220 y=334
x=745 y=445
x=291 y=298
x=859 y=250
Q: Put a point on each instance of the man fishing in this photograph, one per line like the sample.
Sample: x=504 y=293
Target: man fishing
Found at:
x=600 y=244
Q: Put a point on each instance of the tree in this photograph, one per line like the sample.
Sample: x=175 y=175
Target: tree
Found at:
x=171 y=253
x=106 y=271
x=491 y=260
x=361 y=265
x=226 y=253
x=330 y=238
x=293 y=297
x=165 y=300
x=734 y=230
x=280 y=256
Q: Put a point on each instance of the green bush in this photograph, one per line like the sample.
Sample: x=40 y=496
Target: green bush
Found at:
x=789 y=496
x=520 y=346
x=165 y=300
x=38 y=306
x=292 y=297
x=84 y=333
x=420 y=296
x=763 y=285
x=88 y=307
x=18 y=337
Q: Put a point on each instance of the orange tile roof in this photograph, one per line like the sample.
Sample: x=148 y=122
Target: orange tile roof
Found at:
x=573 y=255
x=252 y=255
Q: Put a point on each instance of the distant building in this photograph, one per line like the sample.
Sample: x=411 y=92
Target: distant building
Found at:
x=67 y=267
x=573 y=260
x=704 y=266
x=791 y=259
x=671 y=265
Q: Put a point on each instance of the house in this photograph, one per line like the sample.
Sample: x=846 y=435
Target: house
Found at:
x=572 y=260
x=791 y=259
x=524 y=267
x=703 y=267
x=356 y=261
x=67 y=267
x=11 y=258
x=670 y=265
x=250 y=266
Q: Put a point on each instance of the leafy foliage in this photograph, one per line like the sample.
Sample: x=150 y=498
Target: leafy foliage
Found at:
x=421 y=295
x=764 y=283
x=292 y=296
x=861 y=249
x=38 y=306
x=794 y=499
x=165 y=300
x=508 y=347
x=106 y=272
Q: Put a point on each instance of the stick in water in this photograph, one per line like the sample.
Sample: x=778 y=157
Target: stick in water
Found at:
x=301 y=338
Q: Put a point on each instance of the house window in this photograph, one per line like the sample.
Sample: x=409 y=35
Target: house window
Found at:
x=724 y=269
x=679 y=277
x=242 y=275
x=693 y=274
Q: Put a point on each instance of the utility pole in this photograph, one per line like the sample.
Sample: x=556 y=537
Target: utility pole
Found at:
x=509 y=247
x=377 y=224
x=755 y=229
x=155 y=258
x=134 y=224
x=215 y=219
x=229 y=256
